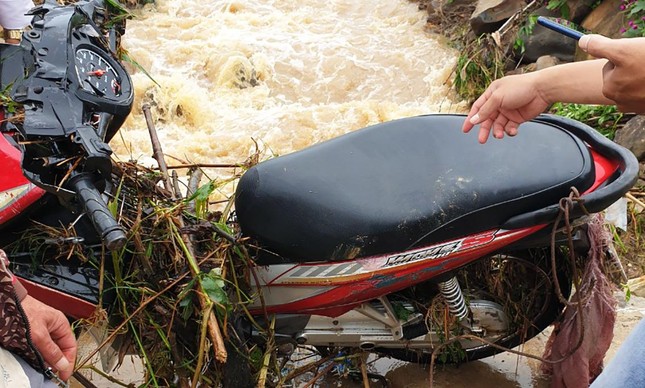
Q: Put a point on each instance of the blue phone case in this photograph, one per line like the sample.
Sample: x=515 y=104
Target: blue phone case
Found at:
x=557 y=27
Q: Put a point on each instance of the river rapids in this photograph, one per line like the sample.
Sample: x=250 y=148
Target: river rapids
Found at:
x=223 y=75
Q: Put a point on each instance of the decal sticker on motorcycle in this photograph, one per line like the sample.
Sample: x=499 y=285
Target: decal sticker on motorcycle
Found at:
x=14 y=200
x=328 y=272
x=341 y=272
x=434 y=252
x=9 y=196
x=334 y=288
x=441 y=250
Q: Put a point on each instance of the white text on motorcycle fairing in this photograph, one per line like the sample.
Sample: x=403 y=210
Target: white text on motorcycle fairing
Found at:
x=433 y=252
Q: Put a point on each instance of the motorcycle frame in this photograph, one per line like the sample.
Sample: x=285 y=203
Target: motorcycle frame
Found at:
x=334 y=288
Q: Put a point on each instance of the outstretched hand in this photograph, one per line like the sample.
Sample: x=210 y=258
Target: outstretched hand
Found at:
x=52 y=336
x=617 y=77
x=507 y=103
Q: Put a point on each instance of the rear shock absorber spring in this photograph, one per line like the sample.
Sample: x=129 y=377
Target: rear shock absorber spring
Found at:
x=454 y=297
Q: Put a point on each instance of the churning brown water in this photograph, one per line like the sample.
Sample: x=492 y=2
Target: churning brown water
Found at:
x=283 y=73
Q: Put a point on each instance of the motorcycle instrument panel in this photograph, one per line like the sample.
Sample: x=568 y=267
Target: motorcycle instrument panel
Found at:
x=96 y=75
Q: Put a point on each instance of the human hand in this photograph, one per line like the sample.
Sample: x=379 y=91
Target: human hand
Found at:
x=508 y=102
x=624 y=75
x=52 y=336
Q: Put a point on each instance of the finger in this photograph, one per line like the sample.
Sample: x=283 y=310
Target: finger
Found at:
x=489 y=110
x=609 y=88
x=50 y=351
x=63 y=337
x=473 y=116
x=512 y=128
x=483 y=135
x=602 y=47
x=484 y=131
x=631 y=108
x=56 y=343
x=468 y=125
x=498 y=126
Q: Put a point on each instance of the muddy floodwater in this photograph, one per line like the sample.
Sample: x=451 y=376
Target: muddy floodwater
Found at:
x=283 y=74
x=225 y=75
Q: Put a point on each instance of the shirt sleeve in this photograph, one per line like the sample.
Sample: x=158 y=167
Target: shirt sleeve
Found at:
x=21 y=292
x=13 y=14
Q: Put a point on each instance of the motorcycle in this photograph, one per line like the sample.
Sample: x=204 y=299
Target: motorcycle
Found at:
x=75 y=95
x=391 y=239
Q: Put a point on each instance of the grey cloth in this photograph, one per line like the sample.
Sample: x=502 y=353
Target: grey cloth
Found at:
x=16 y=373
x=12 y=13
x=36 y=379
x=626 y=370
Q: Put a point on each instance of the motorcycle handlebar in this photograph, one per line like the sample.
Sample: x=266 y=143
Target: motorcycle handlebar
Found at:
x=110 y=231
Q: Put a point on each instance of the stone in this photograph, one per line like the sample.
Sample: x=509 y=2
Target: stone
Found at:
x=632 y=137
x=489 y=15
x=546 y=42
x=637 y=286
x=579 y=9
x=531 y=67
x=606 y=19
x=546 y=61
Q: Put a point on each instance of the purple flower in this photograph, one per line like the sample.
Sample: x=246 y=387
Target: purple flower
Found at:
x=622 y=7
x=623 y=30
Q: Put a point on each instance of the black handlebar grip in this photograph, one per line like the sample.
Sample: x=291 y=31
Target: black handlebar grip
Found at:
x=110 y=231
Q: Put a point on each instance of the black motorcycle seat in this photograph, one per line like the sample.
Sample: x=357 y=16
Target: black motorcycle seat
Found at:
x=404 y=184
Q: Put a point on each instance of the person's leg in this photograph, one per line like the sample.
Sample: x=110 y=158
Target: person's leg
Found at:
x=627 y=368
x=15 y=372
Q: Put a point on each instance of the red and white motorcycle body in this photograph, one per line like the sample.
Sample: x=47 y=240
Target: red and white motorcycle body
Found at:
x=347 y=228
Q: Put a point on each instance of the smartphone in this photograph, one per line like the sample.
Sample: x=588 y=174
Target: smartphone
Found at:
x=557 y=27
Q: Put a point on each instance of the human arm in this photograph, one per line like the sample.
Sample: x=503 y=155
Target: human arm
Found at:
x=512 y=100
x=48 y=329
x=13 y=17
x=616 y=78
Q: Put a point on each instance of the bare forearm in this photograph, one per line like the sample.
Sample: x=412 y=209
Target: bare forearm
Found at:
x=577 y=82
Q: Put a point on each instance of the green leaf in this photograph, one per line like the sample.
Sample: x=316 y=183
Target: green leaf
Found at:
x=628 y=292
x=639 y=6
x=186 y=304
x=200 y=197
x=400 y=311
x=213 y=285
x=118 y=7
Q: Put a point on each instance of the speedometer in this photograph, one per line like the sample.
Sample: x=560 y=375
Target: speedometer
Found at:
x=96 y=75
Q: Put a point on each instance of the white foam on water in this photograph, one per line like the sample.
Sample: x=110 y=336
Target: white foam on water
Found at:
x=320 y=69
